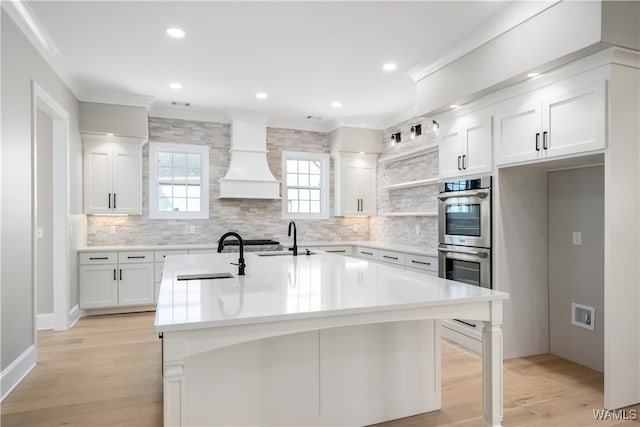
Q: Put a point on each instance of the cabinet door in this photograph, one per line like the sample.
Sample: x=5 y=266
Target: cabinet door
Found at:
x=367 y=188
x=136 y=285
x=477 y=147
x=127 y=179
x=98 y=286
x=450 y=151
x=97 y=180
x=517 y=124
x=350 y=188
x=575 y=120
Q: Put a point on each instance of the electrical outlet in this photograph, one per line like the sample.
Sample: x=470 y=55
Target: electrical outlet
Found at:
x=192 y=229
x=39 y=233
x=418 y=229
x=112 y=229
x=577 y=238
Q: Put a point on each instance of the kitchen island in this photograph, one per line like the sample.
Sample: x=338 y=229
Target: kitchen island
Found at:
x=316 y=339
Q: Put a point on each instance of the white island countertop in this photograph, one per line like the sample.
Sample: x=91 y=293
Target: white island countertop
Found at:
x=297 y=340
x=277 y=288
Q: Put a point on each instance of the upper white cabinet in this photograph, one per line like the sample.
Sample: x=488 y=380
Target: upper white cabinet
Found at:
x=466 y=146
x=355 y=184
x=556 y=121
x=112 y=177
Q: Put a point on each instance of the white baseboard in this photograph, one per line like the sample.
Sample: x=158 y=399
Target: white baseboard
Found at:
x=14 y=373
x=74 y=315
x=44 y=321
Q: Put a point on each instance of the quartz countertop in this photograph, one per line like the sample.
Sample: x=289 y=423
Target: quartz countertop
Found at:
x=284 y=287
x=301 y=246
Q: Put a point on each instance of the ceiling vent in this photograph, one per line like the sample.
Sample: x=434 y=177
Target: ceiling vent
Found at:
x=249 y=176
x=181 y=103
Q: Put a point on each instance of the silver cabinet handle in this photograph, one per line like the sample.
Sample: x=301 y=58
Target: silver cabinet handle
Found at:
x=456 y=251
x=477 y=193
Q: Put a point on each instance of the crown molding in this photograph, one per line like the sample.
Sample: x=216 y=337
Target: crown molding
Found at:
x=34 y=31
x=129 y=99
x=184 y=114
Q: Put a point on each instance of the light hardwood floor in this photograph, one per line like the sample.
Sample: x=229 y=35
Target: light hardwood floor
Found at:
x=105 y=371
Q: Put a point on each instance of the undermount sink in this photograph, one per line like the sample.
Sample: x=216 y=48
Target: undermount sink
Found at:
x=288 y=253
x=205 y=276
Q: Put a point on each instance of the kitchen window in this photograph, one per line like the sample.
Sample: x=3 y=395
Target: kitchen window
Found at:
x=178 y=181
x=305 y=185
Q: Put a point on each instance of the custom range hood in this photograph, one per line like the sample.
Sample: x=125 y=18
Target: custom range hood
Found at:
x=249 y=176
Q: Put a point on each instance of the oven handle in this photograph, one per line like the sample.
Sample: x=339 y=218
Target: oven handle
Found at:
x=456 y=251
x=477 y=193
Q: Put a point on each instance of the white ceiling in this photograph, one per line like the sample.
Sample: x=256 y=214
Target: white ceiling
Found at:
x=304 y=55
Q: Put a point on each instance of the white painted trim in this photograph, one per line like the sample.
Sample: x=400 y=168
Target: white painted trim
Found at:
x=15 y=373
x=74 y=315
x=41 y=99
x=44 y=321
x=131 y=99
x=34 y=31
x=203 y=151
x=324 y=178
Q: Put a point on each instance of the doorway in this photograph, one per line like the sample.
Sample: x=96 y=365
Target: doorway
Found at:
x=53 y=120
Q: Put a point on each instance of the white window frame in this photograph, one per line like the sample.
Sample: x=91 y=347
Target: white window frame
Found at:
x=324 y=184
x=203 y=150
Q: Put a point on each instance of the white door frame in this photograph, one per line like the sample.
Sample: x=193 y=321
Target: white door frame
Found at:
x=60 y=119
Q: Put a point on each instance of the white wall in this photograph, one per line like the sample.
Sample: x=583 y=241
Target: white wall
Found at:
x=21 y=64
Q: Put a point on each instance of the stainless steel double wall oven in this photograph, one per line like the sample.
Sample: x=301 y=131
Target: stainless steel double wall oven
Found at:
x=464 y=212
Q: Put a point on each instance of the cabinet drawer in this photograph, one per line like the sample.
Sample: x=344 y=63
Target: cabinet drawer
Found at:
x=368 y=253
x=95 y=258
x=391 y=257
x=422 y=262
x=339 y=250
x=160 y=255
x=135 y=257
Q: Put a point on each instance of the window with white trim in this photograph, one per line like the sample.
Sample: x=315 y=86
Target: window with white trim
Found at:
x=178 y=181
x=305 y=185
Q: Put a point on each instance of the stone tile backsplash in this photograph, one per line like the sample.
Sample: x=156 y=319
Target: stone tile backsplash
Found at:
x=263 y=218
x=253 y=219
x=407 y=230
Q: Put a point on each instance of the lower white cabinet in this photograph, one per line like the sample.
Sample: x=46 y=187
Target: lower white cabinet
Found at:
x=116 y=279
x=339 y=250
x=98 y=286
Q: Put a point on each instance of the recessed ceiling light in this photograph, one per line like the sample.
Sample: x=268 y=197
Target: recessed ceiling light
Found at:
x=530 y=75
x=175 y=86
x=389 y=66
x=453 y=106
x=261 y=95
x=109 y=134
x=176 y=33
x=336 y=104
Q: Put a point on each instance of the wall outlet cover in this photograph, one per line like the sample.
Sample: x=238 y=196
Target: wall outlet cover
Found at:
x=577 y=237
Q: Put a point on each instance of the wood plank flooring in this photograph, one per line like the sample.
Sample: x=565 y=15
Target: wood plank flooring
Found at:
x=105 y=371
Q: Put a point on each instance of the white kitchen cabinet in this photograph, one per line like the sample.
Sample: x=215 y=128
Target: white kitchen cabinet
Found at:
x=116 y=279
x=135 y=284
x=112 y=177
x=557 y=121
x=355 y=184
x=466 y=146
x=98 y=286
